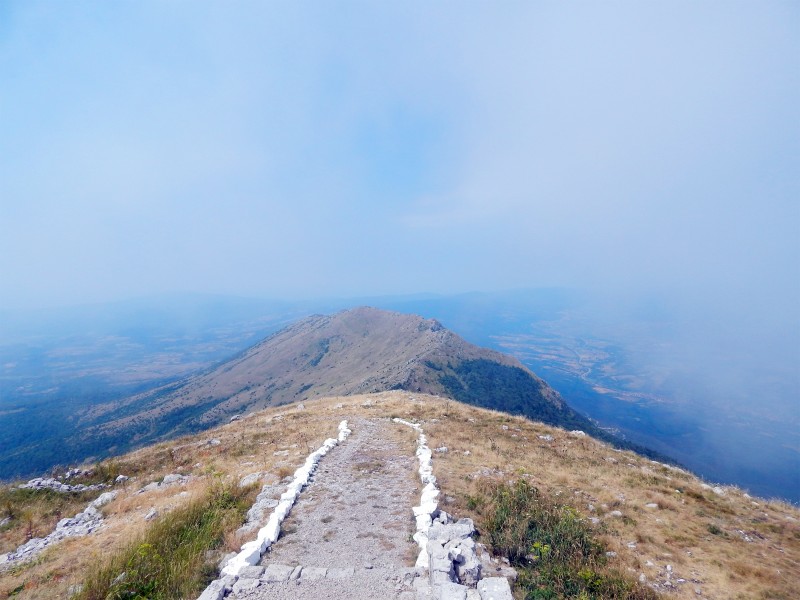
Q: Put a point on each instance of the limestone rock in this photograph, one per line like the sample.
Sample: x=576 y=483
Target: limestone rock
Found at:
x=313 y=573
x=275 y=572
x=452 y=591
x=251 y=572
x=495 y=588
x=214 y=591
x=244 y=584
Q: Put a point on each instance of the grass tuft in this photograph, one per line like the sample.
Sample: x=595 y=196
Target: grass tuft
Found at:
x=551 y=546
x=171 y=559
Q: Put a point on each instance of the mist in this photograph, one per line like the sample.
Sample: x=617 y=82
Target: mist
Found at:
x=646 y=153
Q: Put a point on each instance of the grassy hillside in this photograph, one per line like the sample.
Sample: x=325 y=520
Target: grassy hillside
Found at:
x=363 y=350
x=683 y=538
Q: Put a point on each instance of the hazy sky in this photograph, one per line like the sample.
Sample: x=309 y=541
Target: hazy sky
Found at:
x=284 y=149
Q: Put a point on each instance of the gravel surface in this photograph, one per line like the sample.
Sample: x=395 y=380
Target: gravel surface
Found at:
x=351 y=527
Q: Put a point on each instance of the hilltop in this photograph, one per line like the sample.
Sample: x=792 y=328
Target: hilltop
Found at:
x=657 y=525
x=356 y=351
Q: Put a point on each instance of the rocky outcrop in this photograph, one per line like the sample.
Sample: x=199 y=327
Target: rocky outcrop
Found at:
x=170 y=480
x=458 y=565
x=49 y=483
x=84 y=523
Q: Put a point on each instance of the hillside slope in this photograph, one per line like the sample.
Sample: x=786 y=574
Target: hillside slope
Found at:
x=356 y=351
x=661 y=525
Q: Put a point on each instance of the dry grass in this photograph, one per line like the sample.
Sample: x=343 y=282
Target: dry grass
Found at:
x=724 y=546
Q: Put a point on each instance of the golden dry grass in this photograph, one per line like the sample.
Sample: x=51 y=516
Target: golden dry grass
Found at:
x=726 y=546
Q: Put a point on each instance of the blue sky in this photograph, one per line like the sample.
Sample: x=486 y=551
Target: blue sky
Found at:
x=355 y=148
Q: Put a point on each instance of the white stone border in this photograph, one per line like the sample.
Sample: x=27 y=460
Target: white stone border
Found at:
x=428 y=504
x=251 y=552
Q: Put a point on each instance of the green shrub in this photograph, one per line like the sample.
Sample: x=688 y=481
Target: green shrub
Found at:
x=551 y=547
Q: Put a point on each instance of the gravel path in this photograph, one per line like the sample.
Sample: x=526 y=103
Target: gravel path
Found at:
x=351 y=528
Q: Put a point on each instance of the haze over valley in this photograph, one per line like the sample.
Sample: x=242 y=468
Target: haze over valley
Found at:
x=605 y=192
x=55 y=374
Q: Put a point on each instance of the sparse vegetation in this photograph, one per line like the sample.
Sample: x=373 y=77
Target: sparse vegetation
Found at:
x=665 y=512
x=171 y=559
x=554 y=551
x=34 y=513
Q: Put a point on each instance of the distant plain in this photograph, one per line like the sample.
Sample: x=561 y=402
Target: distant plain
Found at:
x=55 y=365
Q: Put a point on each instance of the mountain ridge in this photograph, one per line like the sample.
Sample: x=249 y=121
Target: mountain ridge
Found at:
x=355 y=351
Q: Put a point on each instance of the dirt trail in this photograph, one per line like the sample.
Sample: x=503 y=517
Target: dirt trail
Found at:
x=351 y=527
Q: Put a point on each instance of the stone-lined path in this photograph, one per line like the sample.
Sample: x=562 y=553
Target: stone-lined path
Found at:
x=350 y=531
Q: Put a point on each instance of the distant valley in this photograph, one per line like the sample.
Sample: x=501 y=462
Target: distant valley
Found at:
x=57 y=366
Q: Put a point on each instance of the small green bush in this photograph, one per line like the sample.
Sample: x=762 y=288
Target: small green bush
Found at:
x=551 y=547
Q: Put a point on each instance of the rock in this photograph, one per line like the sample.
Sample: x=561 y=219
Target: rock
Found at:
x=275 y=572
x=251 y=572
x=452 y=591
x=103 y=499
x=461 y=529
x=301 y=407
x=441 y=450
x=495 y=588
x=313 y=573
x=615 y=513
x=339 y=406
x=214 y=591
x=5 y=521
x=467 y=566
x=342 y=573
x=173 y=478
x=611 y=554
x=121 y=479
x=577 y=433
x=651 y=505
x=235 y=418
x=213 y=442
x=244 y=584
x=296 y=573
x=546 y=438
x=440 y=565
x=250 y=479
x=40 y=483
x=151 y=514
x=224 y=560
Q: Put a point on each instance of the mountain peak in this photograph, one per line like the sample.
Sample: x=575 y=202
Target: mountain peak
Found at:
x=360 y=350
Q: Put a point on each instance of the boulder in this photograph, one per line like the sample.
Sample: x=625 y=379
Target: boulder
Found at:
x=214 y=591
x=451 y=591
x=444 y=533
x=244 y=584
x=275 y=572
x=495 y=588
x=251 y=572
x=313 y=573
